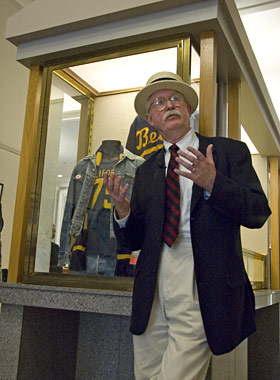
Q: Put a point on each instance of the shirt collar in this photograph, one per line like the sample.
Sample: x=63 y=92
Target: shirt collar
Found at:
x=189 y=139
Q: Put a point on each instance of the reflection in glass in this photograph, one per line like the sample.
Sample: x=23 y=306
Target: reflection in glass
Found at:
x=60 y=157
x=68 y=170
x=88 y=214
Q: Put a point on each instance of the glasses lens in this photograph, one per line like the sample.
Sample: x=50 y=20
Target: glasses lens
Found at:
x=176 y=100
x=160 y=103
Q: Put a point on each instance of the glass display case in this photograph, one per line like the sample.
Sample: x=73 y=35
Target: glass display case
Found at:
x=256 y=265
x=88 y=126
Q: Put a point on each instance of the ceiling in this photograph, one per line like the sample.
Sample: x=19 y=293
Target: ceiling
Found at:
x=261 y=22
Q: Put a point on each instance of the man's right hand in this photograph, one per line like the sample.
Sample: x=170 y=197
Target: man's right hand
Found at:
x=117 y=194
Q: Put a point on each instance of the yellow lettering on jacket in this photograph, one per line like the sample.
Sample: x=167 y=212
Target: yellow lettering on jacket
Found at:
x=146 y=138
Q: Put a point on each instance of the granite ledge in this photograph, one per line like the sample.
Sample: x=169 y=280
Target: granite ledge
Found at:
x=267 y=297
x=75 y=299
x=91 y=300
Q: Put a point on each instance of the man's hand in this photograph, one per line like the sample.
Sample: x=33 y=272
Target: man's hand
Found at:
x=117 y=194
x=202 y=169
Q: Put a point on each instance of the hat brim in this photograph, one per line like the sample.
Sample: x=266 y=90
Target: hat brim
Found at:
x=183 y=88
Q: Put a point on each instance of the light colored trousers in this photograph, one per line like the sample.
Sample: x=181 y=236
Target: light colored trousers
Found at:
x=174 y=345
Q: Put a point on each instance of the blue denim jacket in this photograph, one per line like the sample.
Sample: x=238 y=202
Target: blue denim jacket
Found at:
x=78 y=196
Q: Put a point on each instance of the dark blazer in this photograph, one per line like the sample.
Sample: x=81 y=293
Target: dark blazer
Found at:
x=225 y=294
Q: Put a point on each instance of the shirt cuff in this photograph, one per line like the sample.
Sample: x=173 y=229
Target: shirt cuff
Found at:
x=121 y=222
x=206 y=194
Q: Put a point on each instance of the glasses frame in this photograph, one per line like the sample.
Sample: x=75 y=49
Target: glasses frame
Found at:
x=161 y=108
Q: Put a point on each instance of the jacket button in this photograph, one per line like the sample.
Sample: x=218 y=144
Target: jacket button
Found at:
x=154 y=269
x=192 y=219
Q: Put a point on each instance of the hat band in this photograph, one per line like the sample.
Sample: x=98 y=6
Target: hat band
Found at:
x=160 y=79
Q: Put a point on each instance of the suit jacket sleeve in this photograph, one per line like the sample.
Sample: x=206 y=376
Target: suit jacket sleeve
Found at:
x=237 y=192
x=127 y=236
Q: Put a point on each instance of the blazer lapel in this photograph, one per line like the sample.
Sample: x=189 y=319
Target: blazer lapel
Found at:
x=158 y=171
x=197 y=191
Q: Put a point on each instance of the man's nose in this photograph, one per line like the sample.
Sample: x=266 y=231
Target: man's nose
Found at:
x=169 y=104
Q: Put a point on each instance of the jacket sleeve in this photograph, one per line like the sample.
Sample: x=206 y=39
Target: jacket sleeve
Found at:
x=126 y=236
x=125 y=256
x=238 y=193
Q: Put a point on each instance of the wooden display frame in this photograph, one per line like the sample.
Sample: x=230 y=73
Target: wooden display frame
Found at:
x=25 y=231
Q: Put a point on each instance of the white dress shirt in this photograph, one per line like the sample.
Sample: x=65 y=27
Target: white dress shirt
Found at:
x=190 y=139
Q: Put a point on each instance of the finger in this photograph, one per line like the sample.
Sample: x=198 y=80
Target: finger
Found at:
x=109 y=181
x=117 y=184
x=184 y=163
x=113 y=185
x=190 y=158
x=184 y=173
x=209 y=153
x=197 y=153
x=124 y=190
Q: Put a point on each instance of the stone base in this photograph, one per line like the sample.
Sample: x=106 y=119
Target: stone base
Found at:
x=82 y=334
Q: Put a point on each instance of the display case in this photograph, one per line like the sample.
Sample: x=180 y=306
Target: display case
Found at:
x=207 y=37
x=87 y=126
x=256 y=265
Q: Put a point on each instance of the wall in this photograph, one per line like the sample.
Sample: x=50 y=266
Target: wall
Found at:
x=257 y=239
x=14 y=83
x=113 y=116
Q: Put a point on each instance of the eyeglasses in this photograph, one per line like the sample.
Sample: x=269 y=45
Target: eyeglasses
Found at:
x=160 y=103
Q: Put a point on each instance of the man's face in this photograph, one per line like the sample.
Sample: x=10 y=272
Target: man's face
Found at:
x=171 y=121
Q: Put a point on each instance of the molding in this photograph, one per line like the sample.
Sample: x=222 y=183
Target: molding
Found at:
x=10 y=149
x=253 y=6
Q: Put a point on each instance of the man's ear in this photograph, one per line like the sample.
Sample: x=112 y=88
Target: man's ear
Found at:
x=189 y=109
x=149 y=119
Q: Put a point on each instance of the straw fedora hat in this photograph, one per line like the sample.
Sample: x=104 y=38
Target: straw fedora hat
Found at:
x=164 y=80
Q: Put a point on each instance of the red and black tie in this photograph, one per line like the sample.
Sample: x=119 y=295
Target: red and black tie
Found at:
x=172 y=217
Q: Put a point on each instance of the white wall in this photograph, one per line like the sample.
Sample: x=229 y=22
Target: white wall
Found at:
x=113 y=116
x=14 y=84
x=257 y=239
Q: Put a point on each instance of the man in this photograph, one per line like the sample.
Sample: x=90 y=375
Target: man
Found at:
x=192 y=295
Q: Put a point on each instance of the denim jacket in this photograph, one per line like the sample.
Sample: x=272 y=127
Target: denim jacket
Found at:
x=78 y=196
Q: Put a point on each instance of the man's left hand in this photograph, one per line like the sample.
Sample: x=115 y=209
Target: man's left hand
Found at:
x=201 y=169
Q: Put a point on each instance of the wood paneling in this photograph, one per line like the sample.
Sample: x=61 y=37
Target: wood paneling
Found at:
x=25 y=177
x=234 y=120
x=208 y=78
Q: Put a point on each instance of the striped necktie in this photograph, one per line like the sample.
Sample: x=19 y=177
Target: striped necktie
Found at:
x=172 y=203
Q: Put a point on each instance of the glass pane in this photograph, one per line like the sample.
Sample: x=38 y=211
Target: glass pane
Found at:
x=60 y=158
x=75 y=222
